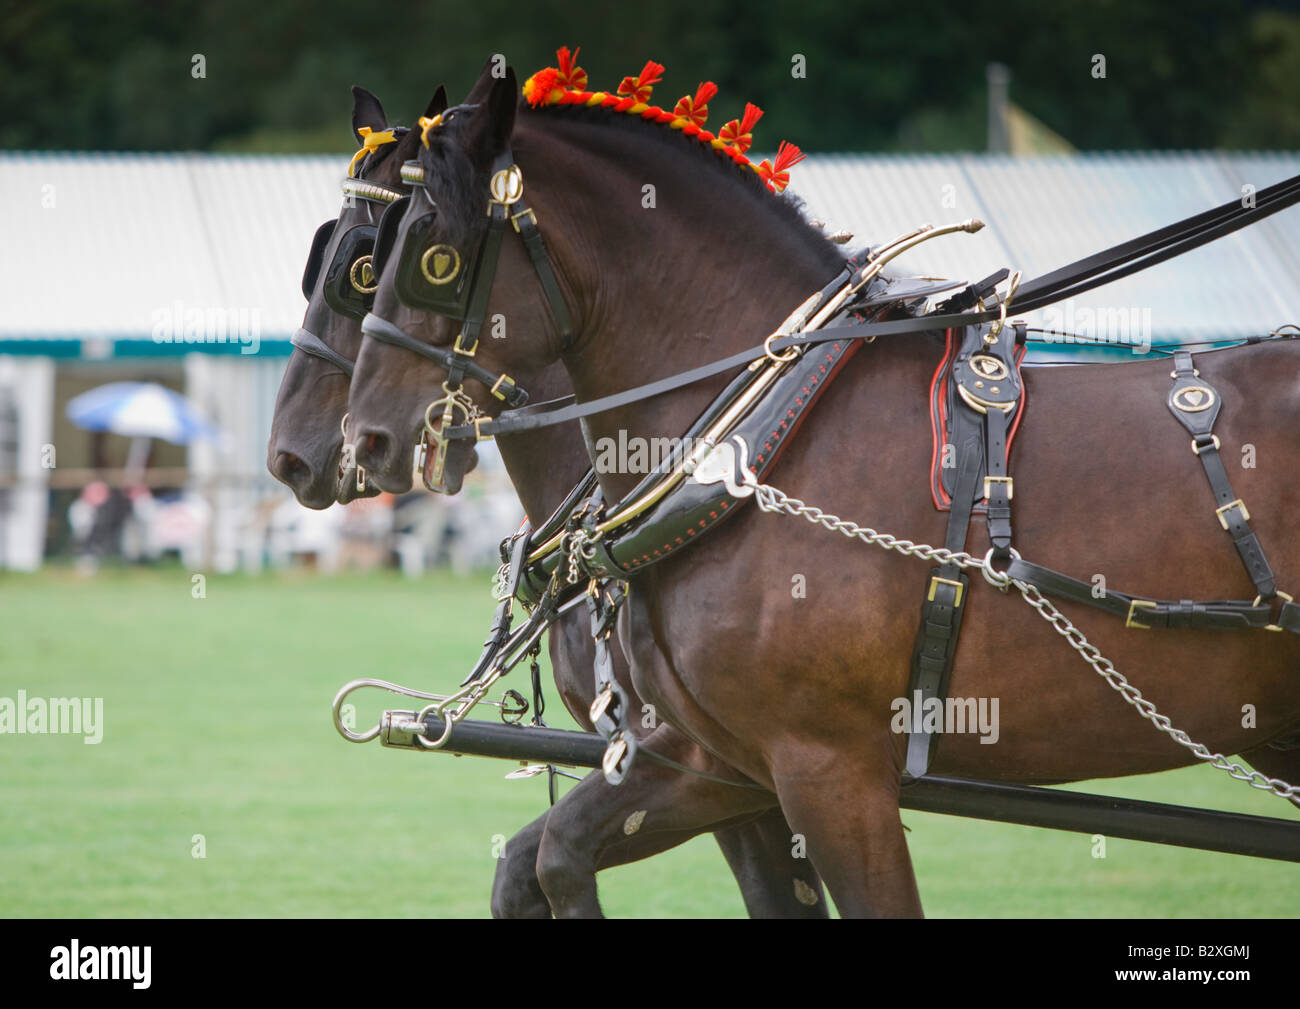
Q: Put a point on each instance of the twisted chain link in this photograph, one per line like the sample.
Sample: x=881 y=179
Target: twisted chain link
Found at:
x=769 y=499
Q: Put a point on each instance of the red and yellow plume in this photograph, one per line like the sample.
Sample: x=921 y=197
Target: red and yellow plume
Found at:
x=566 y=84
x=737 y=133
x=546 y=86
x=640 y=86
x=696 y=109
x=777 y=175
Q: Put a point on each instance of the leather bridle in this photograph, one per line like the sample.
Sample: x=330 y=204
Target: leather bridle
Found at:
x=352 y=267
x=432 y=276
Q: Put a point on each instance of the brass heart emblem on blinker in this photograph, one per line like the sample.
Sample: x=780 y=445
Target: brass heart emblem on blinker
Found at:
x=362 y=276
x=440 y=264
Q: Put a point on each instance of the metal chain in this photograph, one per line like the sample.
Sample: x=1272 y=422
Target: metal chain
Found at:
x=1118 y=682
x=770 y=499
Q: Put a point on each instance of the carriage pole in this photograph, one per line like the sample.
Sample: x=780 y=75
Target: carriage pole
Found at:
x=1026 y=805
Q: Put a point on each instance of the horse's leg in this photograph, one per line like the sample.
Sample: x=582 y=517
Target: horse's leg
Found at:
x=1284 y=764
x=597 y=826
x=515 y=890
x=844 y=803
x=774 y=882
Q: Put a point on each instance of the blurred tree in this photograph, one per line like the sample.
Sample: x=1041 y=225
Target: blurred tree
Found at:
x=117 y=74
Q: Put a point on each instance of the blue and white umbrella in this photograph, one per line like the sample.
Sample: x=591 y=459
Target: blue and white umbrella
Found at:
x=140 y=410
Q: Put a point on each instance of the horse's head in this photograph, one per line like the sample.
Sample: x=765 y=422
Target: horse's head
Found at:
x=306 y=447
x=446 y=306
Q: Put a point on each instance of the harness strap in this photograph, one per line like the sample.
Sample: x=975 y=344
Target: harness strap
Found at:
x=381 y=329
x=997 y=485
x=525 y=222
x=941 y=613
x=309 y=343
x=476 y=312
x=1195 y=403
x=499 y=632
x=985 y=394
x=609 y=707
x=1083 y=275
x=1142 y=614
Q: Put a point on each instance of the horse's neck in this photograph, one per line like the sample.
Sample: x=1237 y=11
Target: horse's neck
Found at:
x=545 y=464
x=711 y=268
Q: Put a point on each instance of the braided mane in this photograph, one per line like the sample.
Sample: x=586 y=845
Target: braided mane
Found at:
x=565 y=85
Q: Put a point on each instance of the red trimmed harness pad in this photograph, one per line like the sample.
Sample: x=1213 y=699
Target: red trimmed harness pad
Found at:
x=692 y=508
x=942 y=397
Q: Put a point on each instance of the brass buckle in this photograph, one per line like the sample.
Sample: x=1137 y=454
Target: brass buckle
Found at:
x=478 y=431
x=459 y=349
x=614 y=754
x=1197 y=451
x=506 y=186
x=1281 y=595
x=1223 y=521
x=1011 y=485
x=934 y=586
x=600 y=703
x=526 y=212
x=496 y=386
x=1134 y=606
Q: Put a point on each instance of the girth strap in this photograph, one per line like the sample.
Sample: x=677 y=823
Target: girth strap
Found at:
x=1196 y=404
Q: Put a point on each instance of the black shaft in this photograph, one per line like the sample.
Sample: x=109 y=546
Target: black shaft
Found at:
x=1029 y=806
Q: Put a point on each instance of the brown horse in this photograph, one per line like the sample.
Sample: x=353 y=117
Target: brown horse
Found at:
x=797 y=692
x=305 y=452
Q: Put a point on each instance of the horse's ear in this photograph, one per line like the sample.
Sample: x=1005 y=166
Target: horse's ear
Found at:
x=487 y=77
x=366 y=111
x=490 y=128
x=438 y=103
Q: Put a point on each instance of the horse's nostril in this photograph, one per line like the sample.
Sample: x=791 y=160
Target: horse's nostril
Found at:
x=291 y=470
x=373 y=449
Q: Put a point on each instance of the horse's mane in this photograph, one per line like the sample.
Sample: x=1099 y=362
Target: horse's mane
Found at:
x=786 y=205
x=460 y=190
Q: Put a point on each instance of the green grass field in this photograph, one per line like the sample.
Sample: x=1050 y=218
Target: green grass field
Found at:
x=216 y=722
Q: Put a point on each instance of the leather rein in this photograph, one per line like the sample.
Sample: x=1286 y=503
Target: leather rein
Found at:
x=1093 y=271
x=506 y=204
